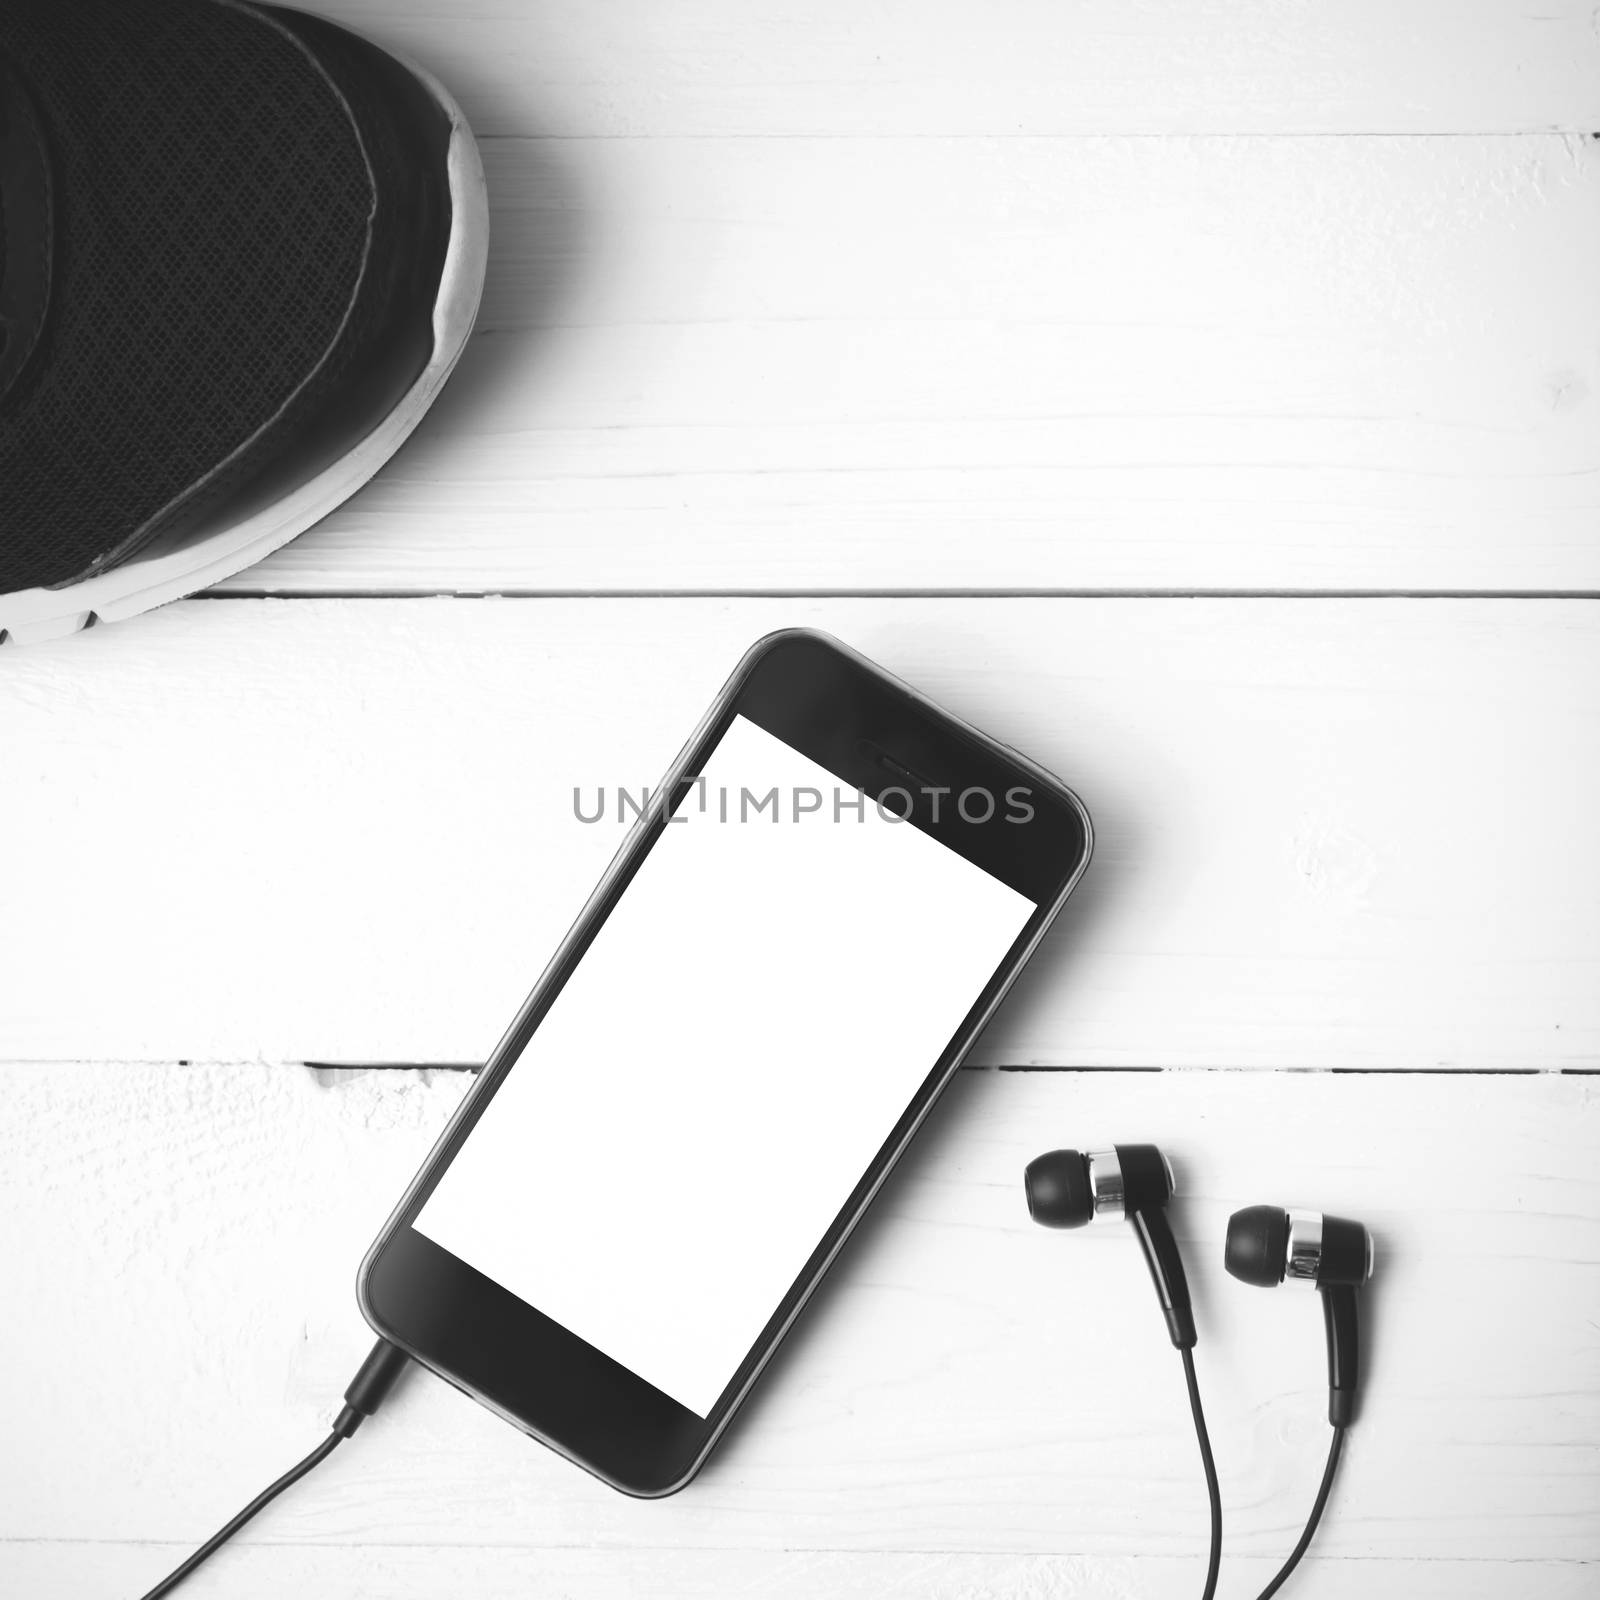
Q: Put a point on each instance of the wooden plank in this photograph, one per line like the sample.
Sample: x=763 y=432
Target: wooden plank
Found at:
x=183 y=1241
x=1009 y=364
x=1331 y=833
x=52 y=1571
x=958 y=66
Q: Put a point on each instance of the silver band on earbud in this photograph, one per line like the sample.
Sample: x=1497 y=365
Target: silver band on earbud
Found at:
x=1304 y=1254
x=1105 y=1184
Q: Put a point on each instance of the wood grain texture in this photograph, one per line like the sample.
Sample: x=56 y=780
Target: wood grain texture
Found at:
x=966 y=1386
x=745 y=365
x=1331 y=833
x=67 y=1571
x=763 y=69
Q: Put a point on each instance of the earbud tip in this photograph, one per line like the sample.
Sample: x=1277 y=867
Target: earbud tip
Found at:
x=1058 y=1189
x=1258 y=1245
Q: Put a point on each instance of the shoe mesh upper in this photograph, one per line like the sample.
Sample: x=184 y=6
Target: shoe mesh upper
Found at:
x=212 y=217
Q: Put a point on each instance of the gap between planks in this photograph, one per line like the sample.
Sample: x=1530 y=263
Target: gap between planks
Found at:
x=1354 y=1072
x=896 y=594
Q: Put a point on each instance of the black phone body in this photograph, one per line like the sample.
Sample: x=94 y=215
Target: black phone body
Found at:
x=610 y=1352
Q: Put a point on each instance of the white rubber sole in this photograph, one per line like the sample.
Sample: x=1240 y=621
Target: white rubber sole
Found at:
x=30 y=615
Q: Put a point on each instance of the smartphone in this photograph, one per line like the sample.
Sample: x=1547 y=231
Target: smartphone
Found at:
x=794 y=948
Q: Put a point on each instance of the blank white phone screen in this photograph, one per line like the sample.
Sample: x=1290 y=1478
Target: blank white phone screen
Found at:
x=719 y=1070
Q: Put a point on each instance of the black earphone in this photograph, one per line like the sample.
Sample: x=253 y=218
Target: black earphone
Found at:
x=1066 y=1189
x=1266 y=1245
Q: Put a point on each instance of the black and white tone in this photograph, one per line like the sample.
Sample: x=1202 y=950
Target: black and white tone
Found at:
x=748 y=751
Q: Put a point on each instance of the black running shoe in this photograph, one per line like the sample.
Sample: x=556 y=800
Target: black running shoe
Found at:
x=240 y=251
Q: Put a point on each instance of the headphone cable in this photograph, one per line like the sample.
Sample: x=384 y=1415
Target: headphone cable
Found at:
x=1213 y=1493
x=1317 y=1505
x=371 y=1384
x=385 y=1362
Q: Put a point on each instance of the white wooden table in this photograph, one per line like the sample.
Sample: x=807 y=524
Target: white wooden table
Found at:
x=1201 y=396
